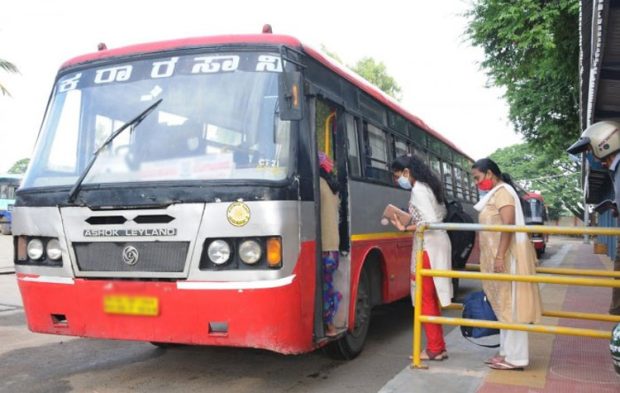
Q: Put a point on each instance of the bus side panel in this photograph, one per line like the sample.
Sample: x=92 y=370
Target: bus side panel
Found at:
x=368 y=201
x=394 y=261
x=278 y=318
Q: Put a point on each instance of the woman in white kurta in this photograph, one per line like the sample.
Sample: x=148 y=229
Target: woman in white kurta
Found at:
x=427 y=205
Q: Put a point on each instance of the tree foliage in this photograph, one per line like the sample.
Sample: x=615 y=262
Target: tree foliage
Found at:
x=532 y=51
x=557 y=179
x=376 y=73
x=20 y=166
x=373 y=71
x=8 y=67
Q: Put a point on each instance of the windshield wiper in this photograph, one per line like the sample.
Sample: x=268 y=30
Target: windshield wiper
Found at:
x=133 y=122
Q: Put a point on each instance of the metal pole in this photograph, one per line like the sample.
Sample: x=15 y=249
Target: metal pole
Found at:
x=417 y=312
x=548 y=329
x=525 y=228
x=586 y=218
x=586 y=213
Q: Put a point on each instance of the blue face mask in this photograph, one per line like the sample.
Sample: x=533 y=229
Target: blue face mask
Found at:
x=482 y=193
x=403 y=182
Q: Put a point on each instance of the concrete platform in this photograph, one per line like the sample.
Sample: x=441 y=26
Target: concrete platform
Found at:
x=564 y=364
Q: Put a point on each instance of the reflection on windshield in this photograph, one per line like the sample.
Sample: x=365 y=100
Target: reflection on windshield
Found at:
x=218 y=120
x=533 y=211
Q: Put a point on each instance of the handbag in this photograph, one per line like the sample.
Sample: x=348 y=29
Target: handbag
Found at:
x=477 y=306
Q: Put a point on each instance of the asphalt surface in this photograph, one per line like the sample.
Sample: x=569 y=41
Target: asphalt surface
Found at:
x=32 y=362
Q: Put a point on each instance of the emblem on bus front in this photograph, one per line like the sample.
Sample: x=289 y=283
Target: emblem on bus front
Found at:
x=238 y=214
x=130 y=255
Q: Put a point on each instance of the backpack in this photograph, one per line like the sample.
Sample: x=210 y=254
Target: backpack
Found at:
x=462 y=241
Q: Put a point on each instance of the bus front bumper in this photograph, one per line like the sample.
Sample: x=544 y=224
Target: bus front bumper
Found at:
x=275 y=315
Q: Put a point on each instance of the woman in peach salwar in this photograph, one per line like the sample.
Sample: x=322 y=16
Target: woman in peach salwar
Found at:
x=513 y=302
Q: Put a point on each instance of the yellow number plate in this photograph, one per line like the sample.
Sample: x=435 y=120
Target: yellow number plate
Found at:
x=131 y=305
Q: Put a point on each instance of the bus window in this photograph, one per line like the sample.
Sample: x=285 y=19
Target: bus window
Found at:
x=354 y=158
x=325 y=119
x=465 y=185
x=458 y=182
x=447 y=179
x=377 y=165
x=434 y=145
x=435 y=165
x=418 y=151
x=400 y=148
x=418 y=136
x=473 y=188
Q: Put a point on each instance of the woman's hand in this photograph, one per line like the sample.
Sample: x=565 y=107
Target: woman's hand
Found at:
x=498 y=265
x=396 y=222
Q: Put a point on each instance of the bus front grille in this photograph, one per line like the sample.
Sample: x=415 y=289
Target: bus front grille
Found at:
x=131 y=256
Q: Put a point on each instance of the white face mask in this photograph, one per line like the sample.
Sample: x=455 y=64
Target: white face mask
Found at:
x=403 y=182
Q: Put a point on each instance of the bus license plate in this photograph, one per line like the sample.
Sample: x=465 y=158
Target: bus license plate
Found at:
x=131 y=305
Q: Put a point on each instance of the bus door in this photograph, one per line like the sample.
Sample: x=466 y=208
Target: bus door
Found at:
x=333 y=233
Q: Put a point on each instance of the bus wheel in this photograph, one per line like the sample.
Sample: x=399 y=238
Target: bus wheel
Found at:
x=352 y=343
x=5 y=229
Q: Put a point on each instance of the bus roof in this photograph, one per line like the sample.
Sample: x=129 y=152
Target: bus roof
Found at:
x=534 y=195
x=274 y=39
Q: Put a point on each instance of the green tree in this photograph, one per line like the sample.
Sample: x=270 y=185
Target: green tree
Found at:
x=376 y=73
x=8 y=67
x=556 y=178
x=331 y=54
x=373 y=71
x=531 y=50
x=20 y=166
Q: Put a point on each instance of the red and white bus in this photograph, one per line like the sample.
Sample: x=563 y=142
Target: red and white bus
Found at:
x=535 y=213
x=173 y=196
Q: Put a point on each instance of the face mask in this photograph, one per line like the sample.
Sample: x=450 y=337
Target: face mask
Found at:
x=403 y=182
x=485 y=185
x=482 y=193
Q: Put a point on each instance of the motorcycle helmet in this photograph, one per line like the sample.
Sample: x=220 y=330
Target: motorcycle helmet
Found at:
x=603 y=138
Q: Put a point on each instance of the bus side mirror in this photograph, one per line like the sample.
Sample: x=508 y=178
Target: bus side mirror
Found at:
x=290 y=95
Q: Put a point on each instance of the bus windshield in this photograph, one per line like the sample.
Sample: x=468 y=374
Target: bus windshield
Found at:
x=218 y=120
x=533 y=211
x=8 y=185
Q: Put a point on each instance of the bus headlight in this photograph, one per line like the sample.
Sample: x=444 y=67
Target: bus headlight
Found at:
x=250 y=252
x=35 y=249
x=219 y=252
x=53 y=250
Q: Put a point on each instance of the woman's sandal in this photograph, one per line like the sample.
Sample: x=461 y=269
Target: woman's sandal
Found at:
x=494 y=359
x=436 y=356
x=504 y=365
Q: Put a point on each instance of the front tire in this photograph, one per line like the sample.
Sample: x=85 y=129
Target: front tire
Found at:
x=5 y=229
x=352 y=343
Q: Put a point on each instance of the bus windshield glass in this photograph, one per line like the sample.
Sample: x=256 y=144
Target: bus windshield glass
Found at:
x=218 y=120
x=533 y=211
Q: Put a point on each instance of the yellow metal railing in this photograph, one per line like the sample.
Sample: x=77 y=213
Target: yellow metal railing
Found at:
x=566 y=279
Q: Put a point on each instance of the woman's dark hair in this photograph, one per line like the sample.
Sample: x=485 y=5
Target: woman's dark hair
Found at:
x=487 y=164
x=421 y=172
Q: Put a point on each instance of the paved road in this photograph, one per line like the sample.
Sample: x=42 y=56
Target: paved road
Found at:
x=45 y=363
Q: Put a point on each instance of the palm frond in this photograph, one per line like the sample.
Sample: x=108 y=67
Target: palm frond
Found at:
x=4 y=91
x=8 y=66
